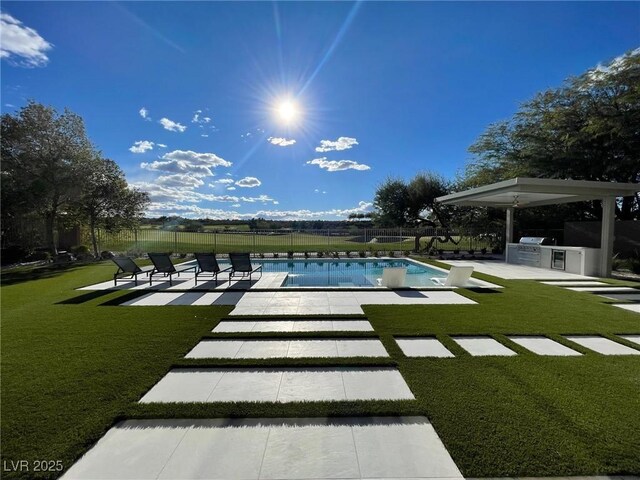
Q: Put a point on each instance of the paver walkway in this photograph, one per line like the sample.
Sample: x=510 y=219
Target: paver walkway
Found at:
x=602 y=345
x=308 y=348
x=279 y=385
x=283 y=449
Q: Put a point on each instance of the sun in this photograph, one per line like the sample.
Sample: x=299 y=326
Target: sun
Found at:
x=287 y=111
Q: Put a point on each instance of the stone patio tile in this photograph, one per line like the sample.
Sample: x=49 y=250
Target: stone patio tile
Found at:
x=210 y=450
x=361 y=348
x=352 y=326
x=400 y=449
x=375 y=383
x=631 y=338
x=543 y=345
x=629 y=306
x=483 y=346
x=631 y=297
x=346 y=310
x=247 y=385
x=313 y=326
x=602 y=345
x=282 y=449
x=423 y=347
x=308 y=451
x=312 y=348
x=263 y=349
x=283 y=302
x=273 y=326
x=602 y=289
x=311 y=385
x=257 y=310
x=132 y=449
x=314 y=301
x=206 y=299
x=313 y=310
x=226 y=326
x=288 y=310
x=215 y=349
x=185 y=298
x=153 y=299
x=184 y=385
x=575 y=283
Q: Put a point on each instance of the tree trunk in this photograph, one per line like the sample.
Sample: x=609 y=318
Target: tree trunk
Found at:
x=94 y=240
x=50 y=241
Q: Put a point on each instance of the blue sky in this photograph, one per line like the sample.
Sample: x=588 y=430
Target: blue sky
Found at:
x=188 y=97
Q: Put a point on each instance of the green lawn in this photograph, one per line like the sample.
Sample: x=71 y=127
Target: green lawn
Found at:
x=72 y=366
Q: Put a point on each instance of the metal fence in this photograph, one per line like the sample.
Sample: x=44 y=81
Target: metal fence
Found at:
x=283 y=241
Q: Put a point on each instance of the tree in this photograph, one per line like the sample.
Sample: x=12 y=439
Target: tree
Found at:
x=106 y=201
x=414 y=204
x=43 y=153
x=588 y=129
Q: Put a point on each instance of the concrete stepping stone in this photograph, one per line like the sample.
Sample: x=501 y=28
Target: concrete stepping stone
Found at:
x=284 y=449
x=267 y=348
x=483 y=346
x=610 y=288
x=279 y=385
x=575 y=283
x=602 y=345
x=632 y=307
x=423 y=347
x=631 y=297
x=229 y=326
x=543 y=345
x=631 y=338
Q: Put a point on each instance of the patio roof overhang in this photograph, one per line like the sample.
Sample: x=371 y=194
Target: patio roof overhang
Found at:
x=536 y=192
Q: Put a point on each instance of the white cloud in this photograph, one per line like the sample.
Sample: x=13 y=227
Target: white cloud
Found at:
x=200 y=120
x=158 y=208
x=338 y=165
x=179 y=180
x=225 y=180
x=144 y=113
x=248 y=182
x=161 y=145
x=20 y=45
x=141 y=146
x=343 y=143
x=283 y=142
x=188 y=162
x=172 y=126
x=231 y=188
x=203 y=135
x=261 y=198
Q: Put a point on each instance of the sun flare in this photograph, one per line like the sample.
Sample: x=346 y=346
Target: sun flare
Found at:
x=287 y=111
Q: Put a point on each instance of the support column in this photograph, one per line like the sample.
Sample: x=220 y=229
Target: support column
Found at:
x=509 y=229
x=606 y=235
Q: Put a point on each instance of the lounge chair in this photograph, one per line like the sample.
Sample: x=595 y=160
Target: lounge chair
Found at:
x=162 y=264
x=241 y=266
x=458 y=276
x=392 y=277
x=208 y=265
x=126 y=266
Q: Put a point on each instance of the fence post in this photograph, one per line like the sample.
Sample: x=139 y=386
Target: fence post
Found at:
x=175 y=241
x=215 y=241
x=254 y=242
x=135 y=238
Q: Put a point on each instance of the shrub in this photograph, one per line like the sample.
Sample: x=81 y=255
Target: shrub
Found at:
x=39 y=255
x=471 y=251
x=79 y=250
x=456 y=251
x=306 y=254
x=276 y=255
x=13 y=254
x=362 y=254
x=290 y=254
x=392 y=253
x=106 y=255
x=483 y=251
x=261 y=255
x=320 y=254
x=347 y=253
x=406 y=253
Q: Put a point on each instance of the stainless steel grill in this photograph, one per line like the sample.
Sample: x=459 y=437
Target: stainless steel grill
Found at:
x=536 y=241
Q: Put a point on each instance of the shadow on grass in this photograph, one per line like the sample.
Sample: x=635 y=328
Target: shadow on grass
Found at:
x=28 y=273
x=483 y=290
x=85 y=297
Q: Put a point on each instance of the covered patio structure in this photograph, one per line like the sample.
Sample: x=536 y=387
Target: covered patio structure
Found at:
x=519 y=193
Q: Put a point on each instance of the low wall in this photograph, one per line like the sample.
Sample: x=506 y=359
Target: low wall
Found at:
x=587 y=234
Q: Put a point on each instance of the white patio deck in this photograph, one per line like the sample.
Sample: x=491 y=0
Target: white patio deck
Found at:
x=516 y=272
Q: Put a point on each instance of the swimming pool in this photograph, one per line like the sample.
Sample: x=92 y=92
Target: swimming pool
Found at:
x=348 y=272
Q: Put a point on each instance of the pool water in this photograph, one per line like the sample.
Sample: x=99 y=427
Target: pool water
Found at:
x=348 y=273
